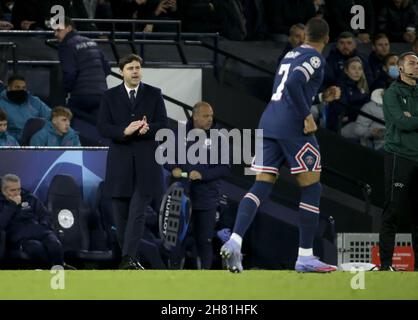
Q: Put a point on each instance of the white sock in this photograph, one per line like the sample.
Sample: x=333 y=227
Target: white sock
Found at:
x=305 y=252
x=237 y=238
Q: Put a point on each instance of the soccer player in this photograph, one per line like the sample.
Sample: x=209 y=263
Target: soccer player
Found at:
x=288 y=135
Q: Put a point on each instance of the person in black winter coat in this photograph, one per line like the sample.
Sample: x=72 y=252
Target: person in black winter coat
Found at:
x=398 y=20
x=204 y=177
x=28 y=224
x=381 y=48
x=84 y=69
x=389 y=73
x=131 y=114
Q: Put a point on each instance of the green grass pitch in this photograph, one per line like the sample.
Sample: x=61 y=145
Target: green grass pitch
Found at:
x=207 y=285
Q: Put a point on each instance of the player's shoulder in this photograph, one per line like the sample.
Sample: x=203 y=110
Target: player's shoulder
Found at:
x=305 y=55
x=311 y=56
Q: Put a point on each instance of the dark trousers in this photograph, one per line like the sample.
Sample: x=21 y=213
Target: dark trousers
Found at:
x=129 y=215
x=401 y=207
x=203 y=231
x=85 y=107
x=45 y=250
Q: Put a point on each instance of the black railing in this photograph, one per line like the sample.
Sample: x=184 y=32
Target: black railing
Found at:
x=13 y=47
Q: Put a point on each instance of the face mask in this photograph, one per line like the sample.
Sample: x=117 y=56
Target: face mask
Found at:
x=393 y=72
x=17 y=96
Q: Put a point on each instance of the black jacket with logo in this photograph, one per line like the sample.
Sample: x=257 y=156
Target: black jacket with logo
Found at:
x=28 y=220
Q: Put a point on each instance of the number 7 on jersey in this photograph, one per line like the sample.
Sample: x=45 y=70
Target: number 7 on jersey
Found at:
x=284 y=70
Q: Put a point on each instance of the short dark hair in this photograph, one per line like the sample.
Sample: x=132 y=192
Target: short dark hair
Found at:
x=15 y=77
x=404 y=55
x=128 y=59
x=317 y=29
x=351 y=60
x=387 y=57
x=3 y=115
x=380 y=36
x=299 y=26
x=68 y=22
x=345 y=35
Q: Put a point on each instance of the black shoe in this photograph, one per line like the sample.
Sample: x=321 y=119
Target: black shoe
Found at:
x=387 y=268
x=130 y=264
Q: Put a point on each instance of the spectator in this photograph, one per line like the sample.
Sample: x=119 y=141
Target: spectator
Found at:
x=296 y=38
x=57 y=132
x=320 y=9
x=20 y=105
x=390 y=73
x=354 y=94
x=163 y=10
x=28 y=224
x=200 y=16
x=339 y=16
x=6 y=140
x=381 y=48
x=282 y=14
x=204 y=180
x=370 y=132
x=30 y=14
x=4 y=24
x=398 y=20
x=346 y=48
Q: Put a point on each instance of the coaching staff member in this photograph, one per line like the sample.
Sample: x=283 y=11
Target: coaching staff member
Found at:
x=400 y=107
x=130 y=115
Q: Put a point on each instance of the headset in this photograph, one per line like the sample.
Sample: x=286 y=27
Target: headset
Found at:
x=401 y=69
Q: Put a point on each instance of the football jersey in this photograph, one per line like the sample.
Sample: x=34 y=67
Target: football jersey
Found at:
x=298 y=79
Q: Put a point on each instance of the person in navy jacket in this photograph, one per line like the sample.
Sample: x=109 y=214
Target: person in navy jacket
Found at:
x=204 y=178
x=84 y=69
x=354 y=92
x=130 y=115
x=345 y=49
x=28 y=224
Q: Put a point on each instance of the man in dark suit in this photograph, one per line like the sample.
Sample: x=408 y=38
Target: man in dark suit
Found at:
x=130 y=115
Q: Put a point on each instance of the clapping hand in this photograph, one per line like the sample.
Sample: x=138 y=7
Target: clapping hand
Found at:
x=145 y=126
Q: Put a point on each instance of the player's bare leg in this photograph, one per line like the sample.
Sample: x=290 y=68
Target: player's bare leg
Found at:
x=231 y=250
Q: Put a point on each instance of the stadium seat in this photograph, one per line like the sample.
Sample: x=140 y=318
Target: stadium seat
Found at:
x=32 y=126
x=103 y=208
x=79 y=228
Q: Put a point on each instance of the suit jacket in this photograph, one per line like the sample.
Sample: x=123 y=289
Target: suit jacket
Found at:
x=131 y=159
